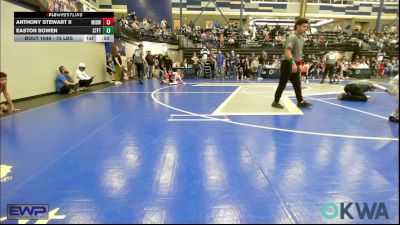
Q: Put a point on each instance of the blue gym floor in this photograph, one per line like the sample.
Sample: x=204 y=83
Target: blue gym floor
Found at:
x=158 y=154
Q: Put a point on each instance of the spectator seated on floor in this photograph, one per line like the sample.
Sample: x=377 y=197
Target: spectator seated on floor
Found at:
x=64 y=82
x=3 y=89
x=82 y=77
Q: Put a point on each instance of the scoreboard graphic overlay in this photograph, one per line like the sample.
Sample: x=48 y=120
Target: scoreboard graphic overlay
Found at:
x=64 y=27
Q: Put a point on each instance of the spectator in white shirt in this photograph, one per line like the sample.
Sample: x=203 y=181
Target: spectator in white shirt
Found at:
x=363 y=65
x=204 y=52
x=164 y=23
x=176 y=65
x=82 y=77
x=253 y=32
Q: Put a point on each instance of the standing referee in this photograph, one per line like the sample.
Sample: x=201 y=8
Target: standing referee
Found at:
x=290 y=66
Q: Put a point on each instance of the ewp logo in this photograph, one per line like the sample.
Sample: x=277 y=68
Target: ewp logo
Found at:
x=331 y=211
x=27 y=212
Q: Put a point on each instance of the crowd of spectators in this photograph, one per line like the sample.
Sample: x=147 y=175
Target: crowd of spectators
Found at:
x=230 y=35
x=218 y=36
x=146 y=29
x=378 y=41
x=209 y=63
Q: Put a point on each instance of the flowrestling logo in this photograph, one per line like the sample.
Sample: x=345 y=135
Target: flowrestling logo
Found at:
x=374 y=211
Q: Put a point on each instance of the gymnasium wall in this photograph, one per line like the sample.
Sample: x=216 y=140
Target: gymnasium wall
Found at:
x=32 y=66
